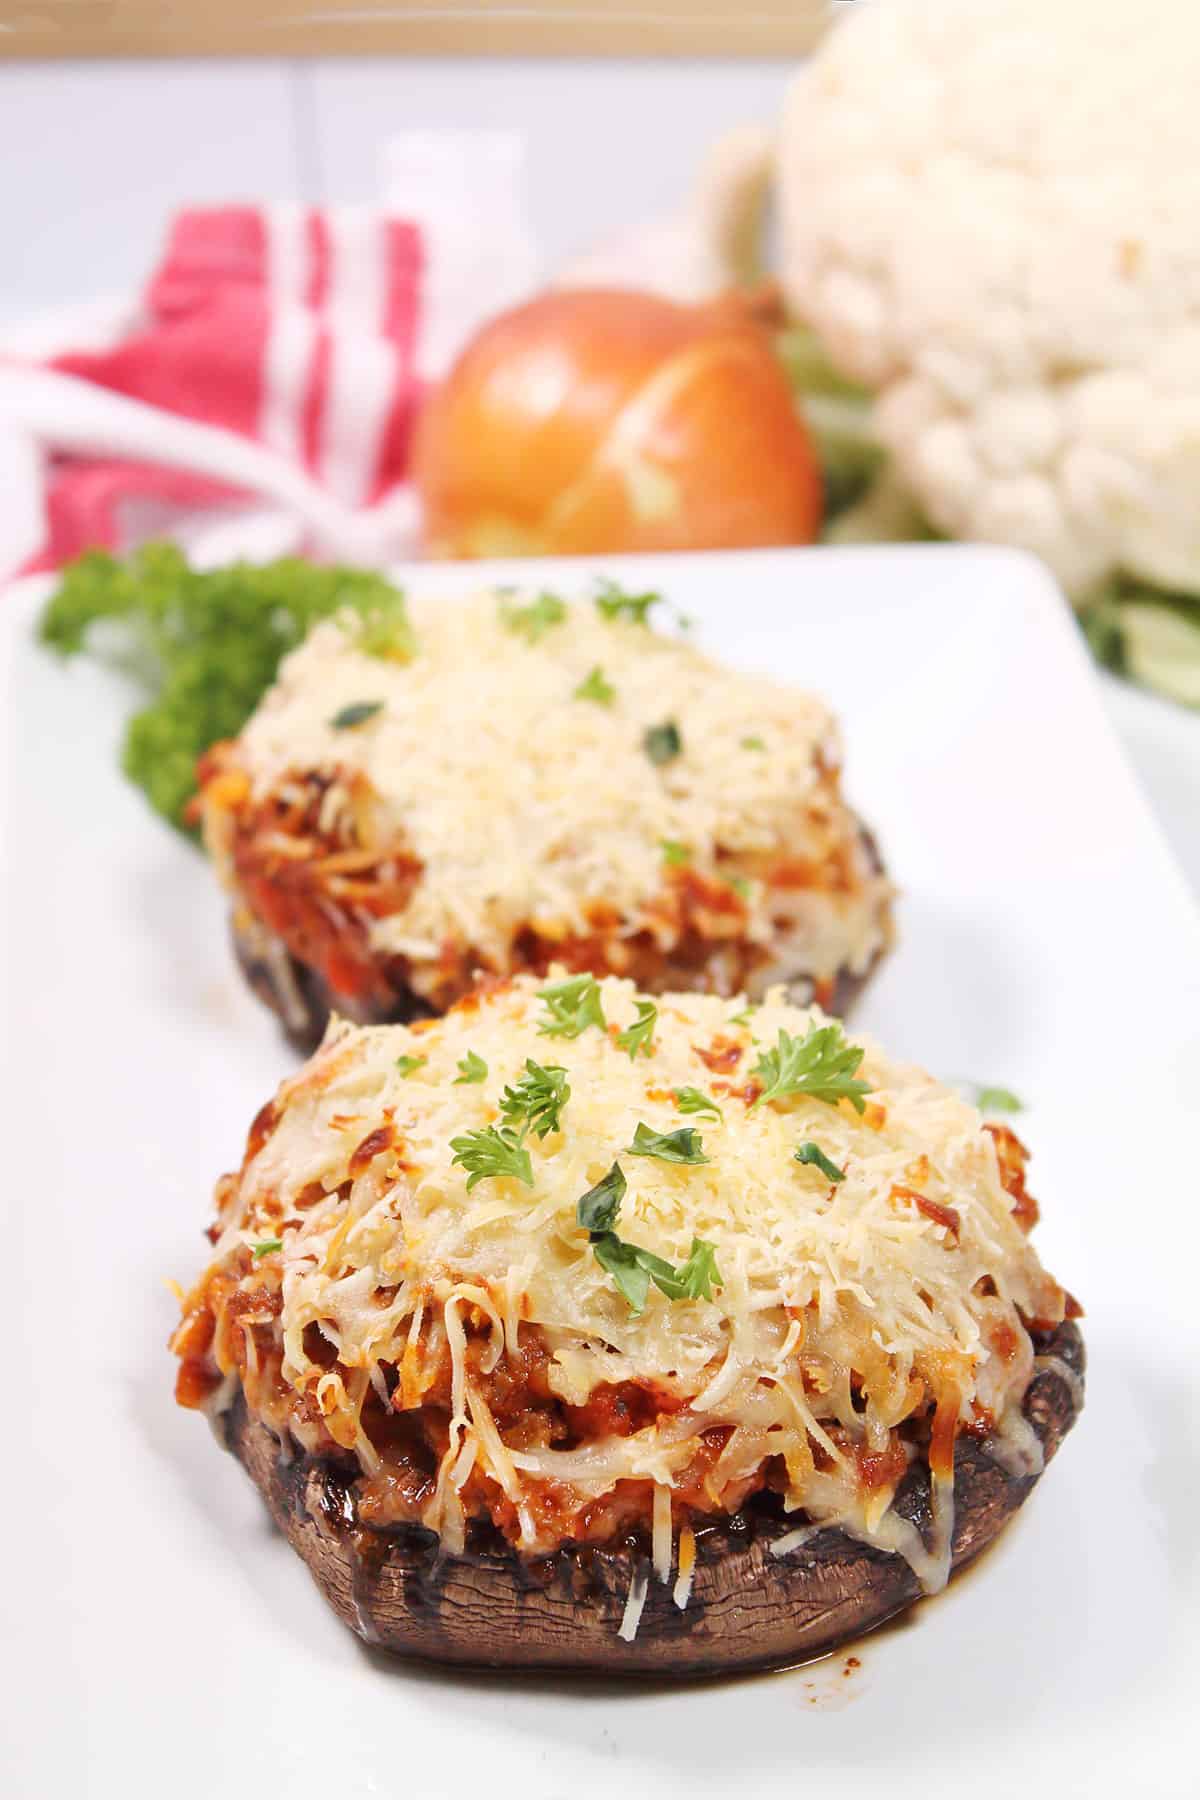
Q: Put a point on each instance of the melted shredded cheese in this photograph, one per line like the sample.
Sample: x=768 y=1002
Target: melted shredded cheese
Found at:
x=527 y=806
x=845 y=1310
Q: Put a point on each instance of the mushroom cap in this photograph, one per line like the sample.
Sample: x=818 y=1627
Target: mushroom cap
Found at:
x=749 y=1608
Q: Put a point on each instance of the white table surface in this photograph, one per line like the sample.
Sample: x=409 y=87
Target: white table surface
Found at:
x=96 y=157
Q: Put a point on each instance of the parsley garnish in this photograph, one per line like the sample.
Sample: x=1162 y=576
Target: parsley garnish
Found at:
x=357 y=713
x=572 y=1005
x=612 y=602
x=813 y=1154
x=596 y=686
x=534 y=1102
x=598 y=1208
x=821 y=1064
x=753 y=743
x=386 y=629
x=637 y=1036
x=537 y=1098
x=684 y=1145
x=631 y=1267
x=471 y=1068
x=997 y=1100
x=699 y=1275
x=740 y=886
x=691 y=1100
x=266 y=1247
x=406 y=1064
x=494 y=1152
x=662 y=743
x=535 y=620
x=674 y=855
x=744 y=1017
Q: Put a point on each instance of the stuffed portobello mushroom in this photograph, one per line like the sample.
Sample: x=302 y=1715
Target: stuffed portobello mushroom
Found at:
x=510 y=781
x=586 y=1329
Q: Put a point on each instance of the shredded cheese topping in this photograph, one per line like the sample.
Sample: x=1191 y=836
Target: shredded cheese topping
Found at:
x=849 y=1313
x=528 y=804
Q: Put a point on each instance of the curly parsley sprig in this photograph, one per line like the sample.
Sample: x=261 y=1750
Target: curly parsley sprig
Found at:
x=535 y=1101
x=496 y=1151
x=821 y=1064
x=571 y=1006
x=532 y=1103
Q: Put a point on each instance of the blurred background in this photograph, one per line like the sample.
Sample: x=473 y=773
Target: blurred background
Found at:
x=267 y=272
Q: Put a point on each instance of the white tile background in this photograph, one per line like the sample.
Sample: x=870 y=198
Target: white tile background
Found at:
x=94 y=158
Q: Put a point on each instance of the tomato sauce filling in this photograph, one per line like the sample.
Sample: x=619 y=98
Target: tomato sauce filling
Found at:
x=319 y=886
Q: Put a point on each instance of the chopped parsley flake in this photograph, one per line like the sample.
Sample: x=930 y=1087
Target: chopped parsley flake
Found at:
x=662 y=743
x=637 y=1036
x=744 y=1017
x=492 y=1153
x=632 y=1268
x=753 y=743
x=535 y=620
x=740 y=886
x=536 y=1099
x=675 y=855
x=597 y=1209
x=612 y=602
x=684 y=1145
x=357 y=713
x=471 y=1068
x=266 y=1247
x=407 y=1064
x=691 y=1100
x=386 y=630
x=821 y=1064
x=813 y=1154
x=596 y=687
x=997 y=1100
x=572 y=1006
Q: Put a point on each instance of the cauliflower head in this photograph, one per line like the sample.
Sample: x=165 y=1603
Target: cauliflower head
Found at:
x=990 y=213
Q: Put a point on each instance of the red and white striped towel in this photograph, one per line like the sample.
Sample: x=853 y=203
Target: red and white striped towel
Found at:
x=260 y=394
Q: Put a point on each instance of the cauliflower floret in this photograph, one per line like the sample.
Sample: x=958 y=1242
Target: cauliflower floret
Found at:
x=990 y=213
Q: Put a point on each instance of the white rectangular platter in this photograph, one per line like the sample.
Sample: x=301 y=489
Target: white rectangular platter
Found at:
x=159 y=1639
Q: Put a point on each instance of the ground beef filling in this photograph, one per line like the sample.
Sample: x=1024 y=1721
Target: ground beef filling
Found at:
x=233 y=1330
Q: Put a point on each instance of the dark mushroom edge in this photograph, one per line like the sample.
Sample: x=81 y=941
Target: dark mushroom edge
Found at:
x=748 y=1610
